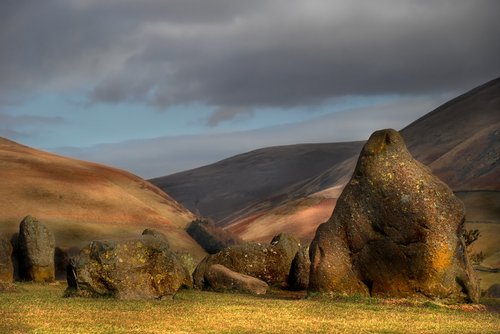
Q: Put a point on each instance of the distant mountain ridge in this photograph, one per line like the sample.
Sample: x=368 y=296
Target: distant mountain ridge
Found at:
x=228 y=186
x=459 y=141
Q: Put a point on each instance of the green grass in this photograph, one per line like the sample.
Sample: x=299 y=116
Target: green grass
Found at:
x=41 y=309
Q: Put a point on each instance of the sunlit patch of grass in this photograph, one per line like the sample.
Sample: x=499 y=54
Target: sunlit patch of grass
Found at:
x=41 y=309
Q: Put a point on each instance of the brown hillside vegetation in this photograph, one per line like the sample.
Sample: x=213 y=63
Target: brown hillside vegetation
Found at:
x=459 y=141
x=228 y=186
x=82 y=201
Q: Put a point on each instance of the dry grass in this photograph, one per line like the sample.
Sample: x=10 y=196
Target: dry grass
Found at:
x=40 y=309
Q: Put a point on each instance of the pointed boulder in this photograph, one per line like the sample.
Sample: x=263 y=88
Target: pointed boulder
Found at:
x=396 y=231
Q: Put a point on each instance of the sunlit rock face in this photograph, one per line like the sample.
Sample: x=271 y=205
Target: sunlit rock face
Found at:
x=142 y=268
x=396 y=231
x=268 y=262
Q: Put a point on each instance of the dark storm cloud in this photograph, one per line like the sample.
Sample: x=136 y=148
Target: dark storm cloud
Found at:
x=237 y=55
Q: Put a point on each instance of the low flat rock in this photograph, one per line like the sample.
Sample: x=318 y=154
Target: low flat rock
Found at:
x=220 y=278
x=267 y=262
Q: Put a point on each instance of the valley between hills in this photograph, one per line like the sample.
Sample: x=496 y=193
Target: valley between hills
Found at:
x=258 y=194
x=294 y=188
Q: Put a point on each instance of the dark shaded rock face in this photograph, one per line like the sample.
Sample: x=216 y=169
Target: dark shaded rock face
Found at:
x=270 y=263
x=36 y=246
x=298 y=279
x=6 y=265
x=61 y=260
x=493 y=291
x=212 y=238
x=220 y=278
x=396 y=231
x=141 y=268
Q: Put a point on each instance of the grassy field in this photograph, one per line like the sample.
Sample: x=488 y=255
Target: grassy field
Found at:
x=41 y=309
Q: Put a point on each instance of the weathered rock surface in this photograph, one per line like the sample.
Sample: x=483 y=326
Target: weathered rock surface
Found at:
x=156 y=234
x=36 y=246
x=270 y=263
x=220 y=278
x=141 y=268
x=396 y=231
x=6 y=265
x=188 y=262
x=212 y=238
x=184 y=258
x=298 y=279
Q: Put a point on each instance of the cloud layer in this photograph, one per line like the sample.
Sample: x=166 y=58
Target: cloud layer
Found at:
x=166 y=155
x=238 y=55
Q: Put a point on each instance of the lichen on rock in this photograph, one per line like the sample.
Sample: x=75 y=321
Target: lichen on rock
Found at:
x=396 y=231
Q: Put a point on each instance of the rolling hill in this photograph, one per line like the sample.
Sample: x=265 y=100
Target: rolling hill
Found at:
x=236 y=183
x=82 y=201
x=459 y=141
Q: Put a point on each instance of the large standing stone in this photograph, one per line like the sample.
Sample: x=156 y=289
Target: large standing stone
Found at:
x=396 y=231
x=220 y=278
x=36 y=245
x=298 y=279
x=141 y=268
x=270 y=263
x=6 y=266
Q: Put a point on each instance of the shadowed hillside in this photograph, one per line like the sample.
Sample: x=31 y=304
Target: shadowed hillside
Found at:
x=82 y=201
x=459 y=141
x=220 y=189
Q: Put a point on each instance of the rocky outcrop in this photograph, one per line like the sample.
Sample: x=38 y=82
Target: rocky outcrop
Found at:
x=396 y=231
x=267 y=262
x=141 y=268
x=220 y=278
x=36 y=246
x=298 y=279
x=6 y=265
x=212 y=238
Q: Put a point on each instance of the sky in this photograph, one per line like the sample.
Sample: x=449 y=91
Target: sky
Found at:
x=161 y=86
